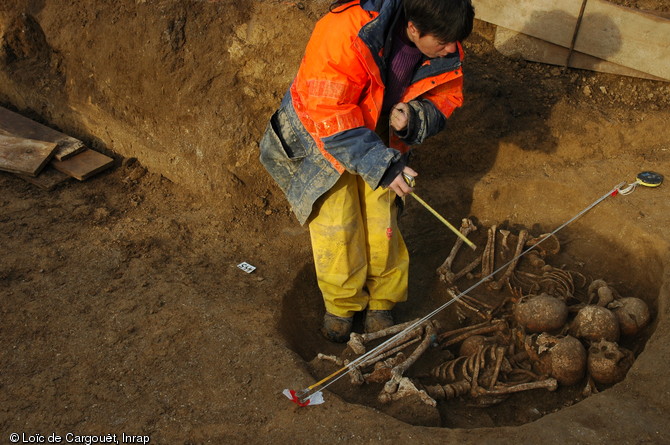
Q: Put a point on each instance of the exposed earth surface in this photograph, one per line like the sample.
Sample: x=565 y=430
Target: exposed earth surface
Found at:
x=123 y=309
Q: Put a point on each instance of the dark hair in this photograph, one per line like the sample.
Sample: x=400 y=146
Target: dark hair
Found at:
x=446 y=20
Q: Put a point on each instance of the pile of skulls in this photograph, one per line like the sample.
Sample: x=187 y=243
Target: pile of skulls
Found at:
x=536 y=329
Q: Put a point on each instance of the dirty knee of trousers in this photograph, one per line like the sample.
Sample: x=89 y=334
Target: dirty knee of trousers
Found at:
x=378 y=320
x=336 y=329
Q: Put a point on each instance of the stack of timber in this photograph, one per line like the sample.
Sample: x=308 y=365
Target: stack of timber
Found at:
x=43 y=156
x=585 y=34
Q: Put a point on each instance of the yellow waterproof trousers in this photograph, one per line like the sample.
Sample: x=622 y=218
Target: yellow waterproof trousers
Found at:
x=360 y=257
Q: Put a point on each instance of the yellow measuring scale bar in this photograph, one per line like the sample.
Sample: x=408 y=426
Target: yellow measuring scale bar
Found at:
x=411 y=182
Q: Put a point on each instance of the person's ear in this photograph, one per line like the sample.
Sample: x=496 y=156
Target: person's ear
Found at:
x=412 y=31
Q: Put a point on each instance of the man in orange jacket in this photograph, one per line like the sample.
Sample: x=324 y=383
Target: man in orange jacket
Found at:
x=377 y=77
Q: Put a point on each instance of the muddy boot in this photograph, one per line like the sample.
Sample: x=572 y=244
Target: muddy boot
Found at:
x=336 y=329
x=378 y=320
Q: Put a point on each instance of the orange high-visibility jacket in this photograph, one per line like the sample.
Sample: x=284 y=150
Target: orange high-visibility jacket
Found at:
x=332 y=107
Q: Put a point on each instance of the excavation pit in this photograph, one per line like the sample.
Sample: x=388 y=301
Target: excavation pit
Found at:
x=584 y=254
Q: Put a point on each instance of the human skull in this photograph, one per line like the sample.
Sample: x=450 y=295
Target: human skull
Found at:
x=541 y=313
x=595 y=323
x=562 y=357
x=632 y=314
x=608 y=363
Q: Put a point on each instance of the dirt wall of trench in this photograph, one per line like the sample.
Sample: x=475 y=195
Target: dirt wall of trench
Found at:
x=185 y=87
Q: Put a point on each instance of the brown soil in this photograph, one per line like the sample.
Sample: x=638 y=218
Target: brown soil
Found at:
x=122 y=307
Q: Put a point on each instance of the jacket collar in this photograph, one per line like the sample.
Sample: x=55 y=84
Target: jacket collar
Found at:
x=377 y=33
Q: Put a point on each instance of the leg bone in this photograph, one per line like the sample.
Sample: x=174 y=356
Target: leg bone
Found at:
x=445 y=269
x=497 y=325
x=548 y=384
x=497 y=285
x=429 y=338
x=357 y=341
x=388 y=353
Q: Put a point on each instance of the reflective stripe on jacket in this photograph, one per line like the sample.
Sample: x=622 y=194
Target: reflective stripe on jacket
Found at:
x=325 y=124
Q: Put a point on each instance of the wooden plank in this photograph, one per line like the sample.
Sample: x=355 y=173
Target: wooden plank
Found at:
x=48 y=178
x=19 y=125
x=610 y=32
x=25 y=156
x=643 y=39
x=516 y=45
x=550 y=20
x=84 y=165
